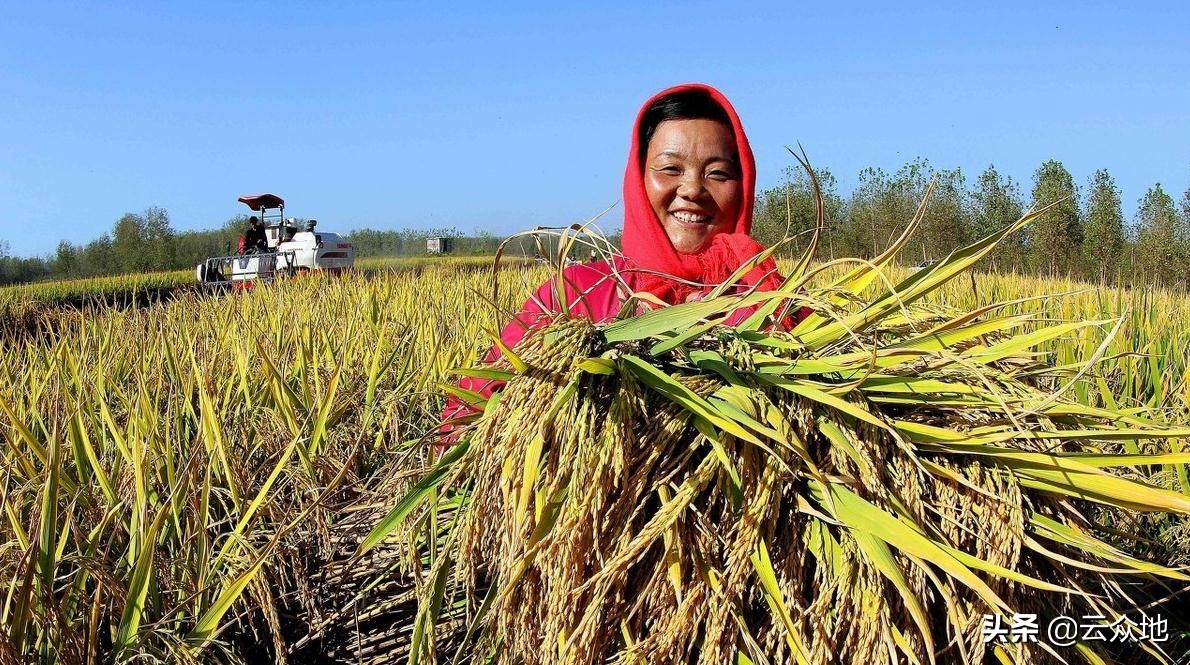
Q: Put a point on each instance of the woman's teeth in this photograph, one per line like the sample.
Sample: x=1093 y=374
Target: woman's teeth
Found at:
x=690 y=218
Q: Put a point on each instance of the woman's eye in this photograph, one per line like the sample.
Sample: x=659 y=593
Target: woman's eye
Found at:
x=721 y=175
x=669 y=169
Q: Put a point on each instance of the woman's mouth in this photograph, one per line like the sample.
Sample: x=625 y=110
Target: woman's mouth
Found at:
x=690 y=218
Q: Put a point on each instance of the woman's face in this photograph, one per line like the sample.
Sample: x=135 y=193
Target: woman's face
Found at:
x=693 y=181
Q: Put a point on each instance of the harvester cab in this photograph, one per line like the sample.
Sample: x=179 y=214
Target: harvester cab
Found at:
x=293 y=247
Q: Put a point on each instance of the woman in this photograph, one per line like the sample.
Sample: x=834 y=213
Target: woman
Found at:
x=688 y=194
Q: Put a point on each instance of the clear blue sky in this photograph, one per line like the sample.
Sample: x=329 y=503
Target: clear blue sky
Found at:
x=502 y=117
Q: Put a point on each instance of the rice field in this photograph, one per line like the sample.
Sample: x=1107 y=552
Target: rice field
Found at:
x=173 y=473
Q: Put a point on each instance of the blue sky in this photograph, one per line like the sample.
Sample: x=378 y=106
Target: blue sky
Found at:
x=505 y=116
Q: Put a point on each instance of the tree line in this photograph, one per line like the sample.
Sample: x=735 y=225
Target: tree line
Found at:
x=137 y=243
x=1082 y=235
x=146 y=242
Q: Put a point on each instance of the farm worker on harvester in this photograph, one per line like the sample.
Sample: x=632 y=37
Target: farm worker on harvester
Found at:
x=688 y=194
x=254 y=238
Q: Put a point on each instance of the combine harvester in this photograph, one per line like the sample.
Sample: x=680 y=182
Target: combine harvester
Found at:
x=292 y=250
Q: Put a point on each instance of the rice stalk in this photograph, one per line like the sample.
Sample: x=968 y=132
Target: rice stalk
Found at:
x=864 y=488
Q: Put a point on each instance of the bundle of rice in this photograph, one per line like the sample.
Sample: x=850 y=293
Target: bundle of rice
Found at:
x=864 y=488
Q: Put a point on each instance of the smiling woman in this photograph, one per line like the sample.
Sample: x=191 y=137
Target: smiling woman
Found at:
x=692 y=172
x=688 y=192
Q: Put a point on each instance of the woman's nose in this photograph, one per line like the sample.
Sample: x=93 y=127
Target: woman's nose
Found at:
x=690 y=187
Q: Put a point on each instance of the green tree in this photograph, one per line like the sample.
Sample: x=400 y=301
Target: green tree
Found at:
x=873 y=213
x=881 y=206
x=1057 y=234
x=1161 y=240
x=905 y=192
x=98 y=258
x=66 y=261
x=1104 y=242
x=191 y=247
x=1185 y=218
x=790 y=206
x=128 y=244
x=994 y=204
x=15 y=270
x=945 y=224
x=159 y=248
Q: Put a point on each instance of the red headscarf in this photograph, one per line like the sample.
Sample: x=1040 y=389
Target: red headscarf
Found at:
x=647 y=245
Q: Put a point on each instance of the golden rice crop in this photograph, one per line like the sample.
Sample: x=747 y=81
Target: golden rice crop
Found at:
x=862 y=489
x=175 y=476
x=169 y=472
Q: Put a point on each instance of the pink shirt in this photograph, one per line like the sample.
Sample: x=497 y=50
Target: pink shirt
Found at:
x=591 y=292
